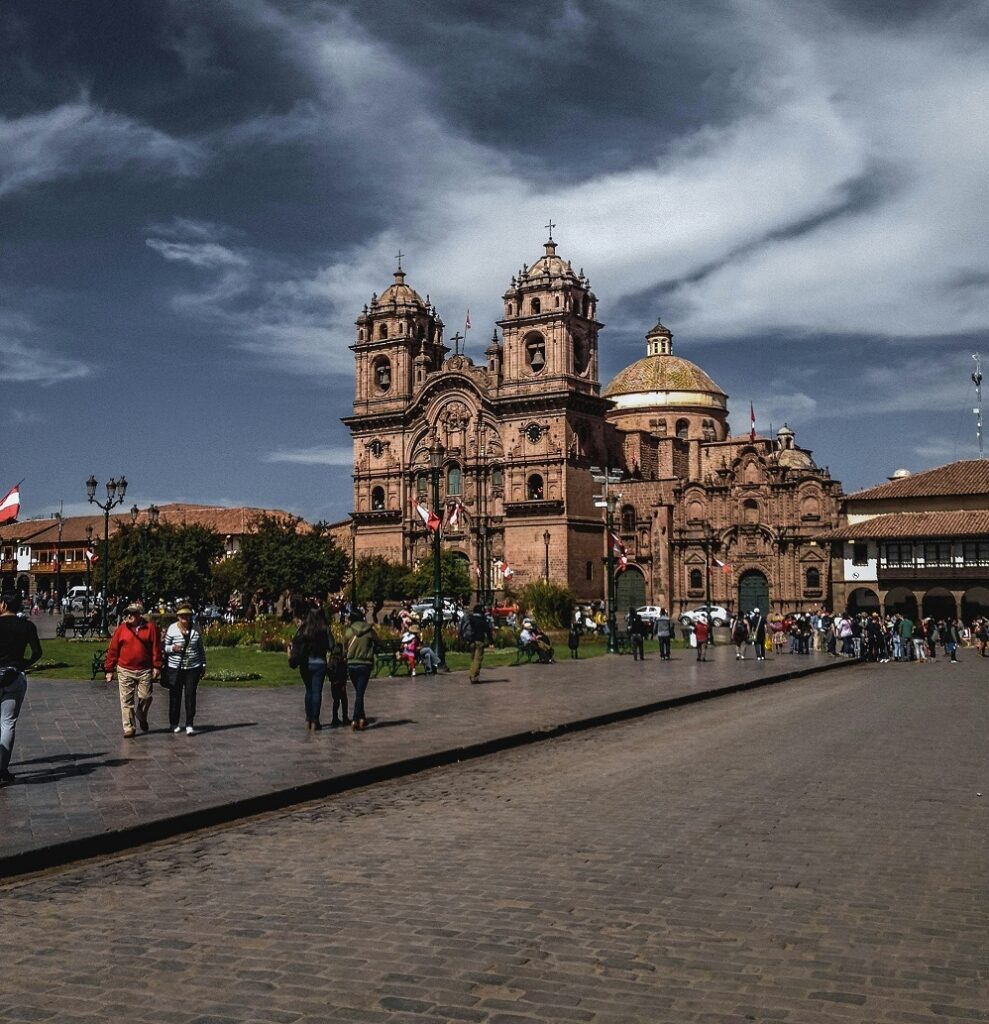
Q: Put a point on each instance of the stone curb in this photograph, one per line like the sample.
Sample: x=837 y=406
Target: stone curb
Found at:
x=106 y=843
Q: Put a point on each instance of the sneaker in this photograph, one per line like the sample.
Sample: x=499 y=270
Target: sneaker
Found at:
x=177 y=729
x=129 y=734
x=189 y=731
x=413 y=673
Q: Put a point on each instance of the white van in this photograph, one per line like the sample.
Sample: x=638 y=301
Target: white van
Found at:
x=76 y=598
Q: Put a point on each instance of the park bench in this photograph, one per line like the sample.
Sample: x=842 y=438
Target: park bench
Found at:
x=528 y=652
x=99 y=659
x=623 y=643
x=79 y=627
x=386 y=655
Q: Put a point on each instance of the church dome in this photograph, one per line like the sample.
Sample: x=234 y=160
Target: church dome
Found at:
x=663 y=379
x=795 y=458
x=400 y=293
x=552 y=266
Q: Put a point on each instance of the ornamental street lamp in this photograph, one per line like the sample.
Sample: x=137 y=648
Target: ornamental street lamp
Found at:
x=89 y=569
x=151 y=521
x=58 y=561
x=708 y=543
x=546 y=539
x=436 y=453
x=115 y=491
x=482 y=532
x=608 y=500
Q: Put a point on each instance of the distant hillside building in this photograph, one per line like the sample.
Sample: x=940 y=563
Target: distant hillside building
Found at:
x=516 y=438
x=918 y=543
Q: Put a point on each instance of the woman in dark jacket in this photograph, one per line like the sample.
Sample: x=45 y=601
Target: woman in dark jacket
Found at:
x=311 y=648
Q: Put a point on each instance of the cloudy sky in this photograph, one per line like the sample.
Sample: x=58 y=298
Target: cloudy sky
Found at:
x=198 y=196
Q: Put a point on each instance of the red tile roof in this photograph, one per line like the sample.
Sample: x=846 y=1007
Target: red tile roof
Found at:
x=967 y=477
x=233 y=521
x=966 y=523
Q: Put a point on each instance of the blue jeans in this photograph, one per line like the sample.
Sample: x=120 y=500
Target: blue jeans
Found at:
x=11 y=699
x=314 y=688
x=360 y=676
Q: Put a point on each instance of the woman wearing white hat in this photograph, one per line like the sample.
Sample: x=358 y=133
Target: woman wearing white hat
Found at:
x=186 y=655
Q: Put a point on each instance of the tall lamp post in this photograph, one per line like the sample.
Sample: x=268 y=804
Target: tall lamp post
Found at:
x=482 y=565
x=152 y=521
x=608 y=500
x=89 y=569
x=708 y=542
x=115 y=491
x=547 y=537
x=611 y=500
x=58 y=561
x=436 y=453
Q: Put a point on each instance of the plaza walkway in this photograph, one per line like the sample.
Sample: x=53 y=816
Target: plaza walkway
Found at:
x=82 y=789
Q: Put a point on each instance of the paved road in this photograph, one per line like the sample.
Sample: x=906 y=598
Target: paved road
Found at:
x=79 y=779
x=799 y=854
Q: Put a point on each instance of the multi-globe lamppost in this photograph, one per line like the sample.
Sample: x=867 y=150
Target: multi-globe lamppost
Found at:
x=152 y=522
x=115 y=491
x=89 y=569
x=436 y=453
x=609 y=500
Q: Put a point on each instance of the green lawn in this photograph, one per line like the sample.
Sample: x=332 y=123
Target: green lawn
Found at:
x=75 y=658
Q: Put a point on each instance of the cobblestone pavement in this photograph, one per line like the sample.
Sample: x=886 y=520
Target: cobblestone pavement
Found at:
x=78 y=777
x=802 y=854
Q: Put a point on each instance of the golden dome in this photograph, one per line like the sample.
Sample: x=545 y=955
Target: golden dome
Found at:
x=795 y=458
x=662 y=373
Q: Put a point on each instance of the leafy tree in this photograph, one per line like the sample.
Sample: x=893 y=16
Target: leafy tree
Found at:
x=280 y=556
x=454 y=575
x=168 y=560
x=548 y=603
x=379 y=580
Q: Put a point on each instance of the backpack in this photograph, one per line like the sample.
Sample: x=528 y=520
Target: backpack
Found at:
x=466 y=630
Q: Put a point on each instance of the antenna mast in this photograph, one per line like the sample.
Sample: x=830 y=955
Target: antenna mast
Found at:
x=977 y=380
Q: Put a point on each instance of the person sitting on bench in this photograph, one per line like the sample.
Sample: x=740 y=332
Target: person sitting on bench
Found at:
x=533 y=638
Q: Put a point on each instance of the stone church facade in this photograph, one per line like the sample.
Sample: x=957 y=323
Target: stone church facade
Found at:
x=517 y=438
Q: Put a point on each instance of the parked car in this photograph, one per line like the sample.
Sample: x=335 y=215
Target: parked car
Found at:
x=426 y=610
x=76 y=599
x=719 y=615
x=649 y=612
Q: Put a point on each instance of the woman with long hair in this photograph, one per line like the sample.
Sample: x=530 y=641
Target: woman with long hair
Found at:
x=310 y=649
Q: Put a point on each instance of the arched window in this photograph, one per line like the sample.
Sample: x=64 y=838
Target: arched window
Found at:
x=453 y=480
x=535 y=352
x=497 y=479
x=377 y=499
x=360 y=335
x=628 y=519
x=510 y=308
x=696 y=579
x=813 y=579
x=534 y=487
x=382 y=374
x=536 y=307
x=750 y=511
x=382 y=330
x=682 y=427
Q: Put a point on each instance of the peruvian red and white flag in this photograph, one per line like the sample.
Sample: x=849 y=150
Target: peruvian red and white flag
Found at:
x=467 y=324
x=55 y=563
x=505 y=569
x=716 y=563
x=11 y=505
x=429 y=518
x=456 y=512
x=621 y=555
x=751 y=422
x=91 y=556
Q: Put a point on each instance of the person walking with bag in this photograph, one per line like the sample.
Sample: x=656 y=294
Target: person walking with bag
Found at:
x=186 y=654
x=16 y=635
x=135 y=653
x=310 y=652
x=476 y=630
x=361 y=642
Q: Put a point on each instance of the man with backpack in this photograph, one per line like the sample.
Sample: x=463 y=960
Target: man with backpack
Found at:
x=475 y=629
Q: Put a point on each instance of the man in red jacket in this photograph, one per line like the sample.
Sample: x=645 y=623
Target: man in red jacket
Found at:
x=135 y=653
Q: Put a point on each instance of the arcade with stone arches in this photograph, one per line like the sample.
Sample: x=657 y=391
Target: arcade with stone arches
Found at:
x=935 y=602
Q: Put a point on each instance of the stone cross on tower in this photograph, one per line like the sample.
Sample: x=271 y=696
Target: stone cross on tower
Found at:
x=457 y=339
x=399 y=258
x=550 y=227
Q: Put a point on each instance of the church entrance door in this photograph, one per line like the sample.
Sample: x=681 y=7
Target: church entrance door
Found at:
x=753 y=592
x=630 y=590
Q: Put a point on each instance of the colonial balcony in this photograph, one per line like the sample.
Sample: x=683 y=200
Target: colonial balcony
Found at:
x=377 y=517
x=542 y=507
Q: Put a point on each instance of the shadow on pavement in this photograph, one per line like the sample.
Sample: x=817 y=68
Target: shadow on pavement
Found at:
x=68 y=771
